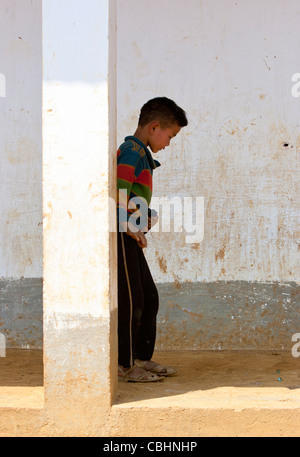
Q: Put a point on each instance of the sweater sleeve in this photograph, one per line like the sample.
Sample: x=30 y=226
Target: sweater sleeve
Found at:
x=128 y=169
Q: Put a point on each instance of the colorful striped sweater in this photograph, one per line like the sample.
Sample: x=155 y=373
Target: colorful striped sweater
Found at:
x=135 y=167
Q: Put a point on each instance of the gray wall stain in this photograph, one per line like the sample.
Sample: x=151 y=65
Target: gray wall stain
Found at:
x=229 y=315
x=21 y=312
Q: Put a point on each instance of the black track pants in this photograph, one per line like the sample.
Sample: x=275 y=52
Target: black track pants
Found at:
x=137 y=303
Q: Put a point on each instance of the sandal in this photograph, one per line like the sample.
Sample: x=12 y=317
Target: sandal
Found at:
x=154 y=367
x=137 y=374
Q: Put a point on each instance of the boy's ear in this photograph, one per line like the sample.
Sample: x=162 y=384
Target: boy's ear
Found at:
x=153 y=126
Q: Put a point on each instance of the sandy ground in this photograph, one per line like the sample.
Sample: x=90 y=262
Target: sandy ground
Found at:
x=212 y=379
x=21 y=368
x=21 y=379
x=221 y=379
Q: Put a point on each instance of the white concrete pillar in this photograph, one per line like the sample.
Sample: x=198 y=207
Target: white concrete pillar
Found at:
x=79 y=295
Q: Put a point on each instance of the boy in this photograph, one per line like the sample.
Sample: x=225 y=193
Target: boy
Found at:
x=160 y=120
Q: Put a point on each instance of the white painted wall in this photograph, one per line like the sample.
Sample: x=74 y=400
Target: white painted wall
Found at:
x=229 y=64
x=20 y=139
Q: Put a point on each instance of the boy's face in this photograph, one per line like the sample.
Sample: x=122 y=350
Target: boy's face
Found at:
x=161 y=137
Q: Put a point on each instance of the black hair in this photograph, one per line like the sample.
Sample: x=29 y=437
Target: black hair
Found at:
x=164 y=110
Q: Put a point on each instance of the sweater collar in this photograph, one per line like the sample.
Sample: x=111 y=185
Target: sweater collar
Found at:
x=152 y=162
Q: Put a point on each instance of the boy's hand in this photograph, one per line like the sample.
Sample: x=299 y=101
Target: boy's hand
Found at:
x=139 y=236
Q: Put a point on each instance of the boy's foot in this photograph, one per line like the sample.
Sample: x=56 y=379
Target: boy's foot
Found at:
x=137 y=374
x=154 y=367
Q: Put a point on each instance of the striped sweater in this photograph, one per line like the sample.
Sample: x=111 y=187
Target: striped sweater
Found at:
x=135 y=167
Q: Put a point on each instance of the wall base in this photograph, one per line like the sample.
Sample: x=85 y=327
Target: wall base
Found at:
x=228 y=315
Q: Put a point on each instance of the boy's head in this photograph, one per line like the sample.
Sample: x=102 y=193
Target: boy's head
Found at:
x=161 y=119
x=164 y=110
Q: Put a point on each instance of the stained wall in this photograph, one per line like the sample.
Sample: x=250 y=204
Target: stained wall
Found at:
x=230 y=65
x=21 y=256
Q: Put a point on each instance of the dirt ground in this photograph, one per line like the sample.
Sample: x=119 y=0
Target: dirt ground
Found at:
x=206 y=376
x=197 y=372
x=21 y=379
x=209 y=378
x=21 y=367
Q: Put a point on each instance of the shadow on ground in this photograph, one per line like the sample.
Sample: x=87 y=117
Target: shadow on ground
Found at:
x=211 y=370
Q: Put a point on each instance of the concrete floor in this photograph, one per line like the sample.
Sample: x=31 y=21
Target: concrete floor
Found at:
x=224 y=393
